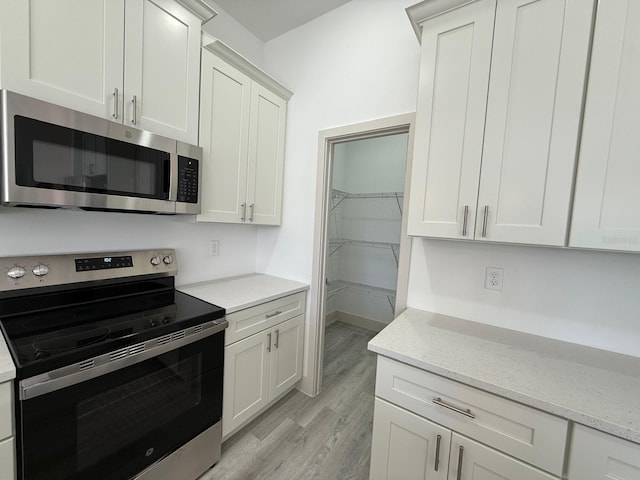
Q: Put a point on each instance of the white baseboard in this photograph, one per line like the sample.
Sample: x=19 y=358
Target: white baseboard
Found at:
x=359 y=321
x=329 y=319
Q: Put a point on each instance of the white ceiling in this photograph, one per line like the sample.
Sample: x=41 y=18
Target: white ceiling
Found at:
x=267 y=19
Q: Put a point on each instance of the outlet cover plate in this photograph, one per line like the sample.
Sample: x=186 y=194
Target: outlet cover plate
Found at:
x=493 y=278
x=214 y=248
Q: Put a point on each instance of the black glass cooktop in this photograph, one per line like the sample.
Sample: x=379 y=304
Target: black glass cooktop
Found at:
x=51 y=330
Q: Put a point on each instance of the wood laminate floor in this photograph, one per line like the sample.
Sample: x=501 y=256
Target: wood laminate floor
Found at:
x=326 y=437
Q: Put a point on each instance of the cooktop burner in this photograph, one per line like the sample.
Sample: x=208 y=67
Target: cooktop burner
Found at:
x=57 y=325
x=69 y=339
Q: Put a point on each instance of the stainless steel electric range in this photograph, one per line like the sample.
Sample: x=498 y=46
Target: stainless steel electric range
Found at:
x=119 y=375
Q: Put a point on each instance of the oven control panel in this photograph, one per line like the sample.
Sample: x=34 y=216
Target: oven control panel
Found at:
x=29 y=272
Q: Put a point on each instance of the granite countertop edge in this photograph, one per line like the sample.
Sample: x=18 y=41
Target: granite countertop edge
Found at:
x=576 y=415
x=7 y=368
x=218 y=291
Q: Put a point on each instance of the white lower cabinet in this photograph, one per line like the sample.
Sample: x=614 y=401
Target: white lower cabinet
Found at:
x=7 y=459
x=471 y=460
x=599 y=456
x=7 y=442
x=406 y=446
x=260 y=368
x=428 y=427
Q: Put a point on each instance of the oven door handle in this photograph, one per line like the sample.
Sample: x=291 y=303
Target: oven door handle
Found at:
x=110 y=362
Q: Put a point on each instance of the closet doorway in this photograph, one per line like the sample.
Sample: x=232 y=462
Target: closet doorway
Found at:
x=364 y=230
x=361 y=254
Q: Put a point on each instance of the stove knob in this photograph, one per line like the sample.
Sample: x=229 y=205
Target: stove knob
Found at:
x=40 y=270
x=168 y=260
x=16 y=272
x=155 y=261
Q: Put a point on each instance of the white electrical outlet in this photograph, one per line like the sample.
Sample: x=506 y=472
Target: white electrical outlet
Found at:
x=493 y=278
x=214 y=247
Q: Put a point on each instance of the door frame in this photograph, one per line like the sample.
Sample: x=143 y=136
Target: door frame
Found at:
x=311 y=383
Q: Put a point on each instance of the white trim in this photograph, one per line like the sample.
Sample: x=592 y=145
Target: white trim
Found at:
x=423 y=11
x=358 y=321
x=245 y=66
x=311 y=383
x=200 y=9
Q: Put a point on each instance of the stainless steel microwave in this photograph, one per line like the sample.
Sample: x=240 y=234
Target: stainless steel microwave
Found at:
x=57 y=157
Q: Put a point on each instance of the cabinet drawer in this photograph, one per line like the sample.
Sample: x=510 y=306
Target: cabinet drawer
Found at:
x=524 y=432
x=255 y=319
x=6 y=410
x=7 y=459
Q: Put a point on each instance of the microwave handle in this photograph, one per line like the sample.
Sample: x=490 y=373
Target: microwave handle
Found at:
x=173 y=177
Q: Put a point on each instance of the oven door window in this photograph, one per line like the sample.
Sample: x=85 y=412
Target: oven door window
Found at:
x=116 y=425
x=60 y=158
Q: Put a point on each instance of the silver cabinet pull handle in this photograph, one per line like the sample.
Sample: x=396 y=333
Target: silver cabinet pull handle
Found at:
x=484 y=220
x=135 y=110
x=251 y=212
x=115 y=103
x=244 y=211
x=268 y=342
x=460 y=454
x=464 y=221
x=467 y=413
x=269 y=315
x=277 y=338
x=438 y=438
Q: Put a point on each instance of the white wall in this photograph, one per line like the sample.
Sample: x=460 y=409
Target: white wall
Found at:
x=26 y=231
x=226 y=29
x=375 y=164
x=585 y=297
x=360 y=62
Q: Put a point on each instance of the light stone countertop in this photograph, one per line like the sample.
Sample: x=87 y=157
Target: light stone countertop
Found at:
x=7 y=368
x=238 y=293
x=592 y=387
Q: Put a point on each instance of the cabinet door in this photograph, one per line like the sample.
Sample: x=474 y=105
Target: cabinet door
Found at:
x=246 y=380
x=407 y=447
x=478 y=462
x=7 y=459
x=266 y=156
x=605 y=212
x=286 y=355
x=598 y=456
x=67 y=52
x=452 y=98
x=224 y=137
x=162 y=68
x=533 y=120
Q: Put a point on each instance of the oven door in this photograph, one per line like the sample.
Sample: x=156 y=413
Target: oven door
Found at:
x=115 y=425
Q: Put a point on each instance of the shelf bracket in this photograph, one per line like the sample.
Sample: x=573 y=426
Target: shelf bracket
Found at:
x=398 y=202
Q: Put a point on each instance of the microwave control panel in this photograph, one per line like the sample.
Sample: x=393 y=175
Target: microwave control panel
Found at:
x=187 y=180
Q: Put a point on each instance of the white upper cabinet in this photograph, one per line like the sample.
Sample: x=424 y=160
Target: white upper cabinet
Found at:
x=242 y=132
x=498 y=120
x=224 y=137
x=266 y=156
x=73 y=53
x=607 y=196
x=66 y=52
x=452 y=97
x=162 y=68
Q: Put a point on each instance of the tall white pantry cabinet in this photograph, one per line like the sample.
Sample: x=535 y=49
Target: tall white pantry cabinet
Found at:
x=242 y=133
x=498 y=118
x=135 y=62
